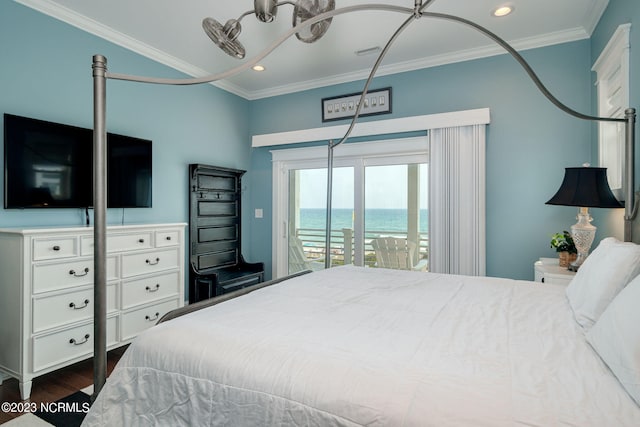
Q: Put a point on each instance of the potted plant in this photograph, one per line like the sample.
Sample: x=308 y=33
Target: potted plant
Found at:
x=566 y=248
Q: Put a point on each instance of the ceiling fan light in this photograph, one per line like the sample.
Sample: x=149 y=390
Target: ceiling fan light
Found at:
x=225 y=37
x=265 y=10
x=502 y=11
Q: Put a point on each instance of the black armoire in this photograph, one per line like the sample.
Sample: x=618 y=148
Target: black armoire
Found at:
x=215 y=252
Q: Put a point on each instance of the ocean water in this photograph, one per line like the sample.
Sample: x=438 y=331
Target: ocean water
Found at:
x=374 y=220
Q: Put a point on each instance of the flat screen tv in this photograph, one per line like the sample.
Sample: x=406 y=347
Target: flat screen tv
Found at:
x=50 y=165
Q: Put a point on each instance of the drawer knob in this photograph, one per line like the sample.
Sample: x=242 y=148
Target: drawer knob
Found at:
x=168 y=237
x=151 y=319
x=74 y=342
x=155 y=289
x=56 y=248
x=140 y=240
x=79 y=307
x=76 y=274
x=150 y=262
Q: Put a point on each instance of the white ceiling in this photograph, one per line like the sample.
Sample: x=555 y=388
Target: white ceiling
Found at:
x=170 y=32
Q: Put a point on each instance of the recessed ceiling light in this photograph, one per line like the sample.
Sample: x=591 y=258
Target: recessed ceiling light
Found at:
x=502 y=11
x=258 y=67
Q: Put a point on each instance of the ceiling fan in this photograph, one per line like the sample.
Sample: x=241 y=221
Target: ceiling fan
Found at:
x=226 y=36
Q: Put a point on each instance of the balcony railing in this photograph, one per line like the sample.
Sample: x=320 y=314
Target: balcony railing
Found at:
x=342 y=244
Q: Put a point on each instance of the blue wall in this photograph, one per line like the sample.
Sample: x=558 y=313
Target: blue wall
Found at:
x=45 y=73
x=529 y=141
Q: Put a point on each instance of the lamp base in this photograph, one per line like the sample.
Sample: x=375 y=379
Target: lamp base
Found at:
x=583 y=234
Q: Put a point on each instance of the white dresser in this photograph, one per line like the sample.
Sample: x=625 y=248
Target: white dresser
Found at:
x=46 y=292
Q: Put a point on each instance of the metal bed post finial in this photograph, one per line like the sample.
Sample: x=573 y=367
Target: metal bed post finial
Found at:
x=99 y=228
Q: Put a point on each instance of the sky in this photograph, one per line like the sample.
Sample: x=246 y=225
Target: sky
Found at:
x=385 y=187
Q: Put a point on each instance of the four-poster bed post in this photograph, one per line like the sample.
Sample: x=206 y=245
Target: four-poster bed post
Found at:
x=631 y=203
x=100 y=75
x=100 y=222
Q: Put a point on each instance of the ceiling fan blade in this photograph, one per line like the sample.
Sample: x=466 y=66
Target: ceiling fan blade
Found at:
x=225 y=37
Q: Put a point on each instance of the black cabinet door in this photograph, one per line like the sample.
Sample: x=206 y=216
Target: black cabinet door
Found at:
x=215 y=253
x=214 y=217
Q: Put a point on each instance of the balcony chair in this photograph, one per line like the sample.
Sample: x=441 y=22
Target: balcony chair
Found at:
x=398 y=254
x=298 y=260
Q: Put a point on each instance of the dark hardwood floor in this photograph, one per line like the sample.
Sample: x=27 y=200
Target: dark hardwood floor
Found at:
x=56 y=385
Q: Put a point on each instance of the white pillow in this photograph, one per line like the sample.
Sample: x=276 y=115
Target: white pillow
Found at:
x=603 y=274
x=616 y=338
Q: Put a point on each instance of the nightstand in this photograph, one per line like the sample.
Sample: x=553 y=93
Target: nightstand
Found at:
x=547 y=270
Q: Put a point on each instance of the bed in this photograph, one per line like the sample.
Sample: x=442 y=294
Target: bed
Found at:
x=353 y=346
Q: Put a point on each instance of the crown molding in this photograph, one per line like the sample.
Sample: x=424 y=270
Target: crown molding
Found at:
x=91 y=26
x=543 y=40
x=594 y=14
x=109 y=34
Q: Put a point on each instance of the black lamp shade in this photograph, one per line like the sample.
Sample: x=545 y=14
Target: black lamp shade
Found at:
x=585 y=187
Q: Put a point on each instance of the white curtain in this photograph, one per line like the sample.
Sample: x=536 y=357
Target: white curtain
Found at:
x=457 y=200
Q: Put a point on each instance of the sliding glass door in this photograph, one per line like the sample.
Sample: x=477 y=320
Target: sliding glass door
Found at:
x=307 y=217
x=396 y=206
x=376 y=193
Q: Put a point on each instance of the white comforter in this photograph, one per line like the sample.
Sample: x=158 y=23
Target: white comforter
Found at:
x=357 y=346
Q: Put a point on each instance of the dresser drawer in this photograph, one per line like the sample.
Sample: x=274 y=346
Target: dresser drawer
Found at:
x=58 y=310
x=49 y=277
x=119 y=242
x=167 y=238
x=53 y=349
x=54 y=248
x=149 y=289
x=149 y=262
x=137 y=321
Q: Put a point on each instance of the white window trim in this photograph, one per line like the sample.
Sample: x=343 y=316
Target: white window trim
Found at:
x=480 y=116
x=383 y=148
x=612 y=68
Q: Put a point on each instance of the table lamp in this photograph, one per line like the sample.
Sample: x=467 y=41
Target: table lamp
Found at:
x=585 y=187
